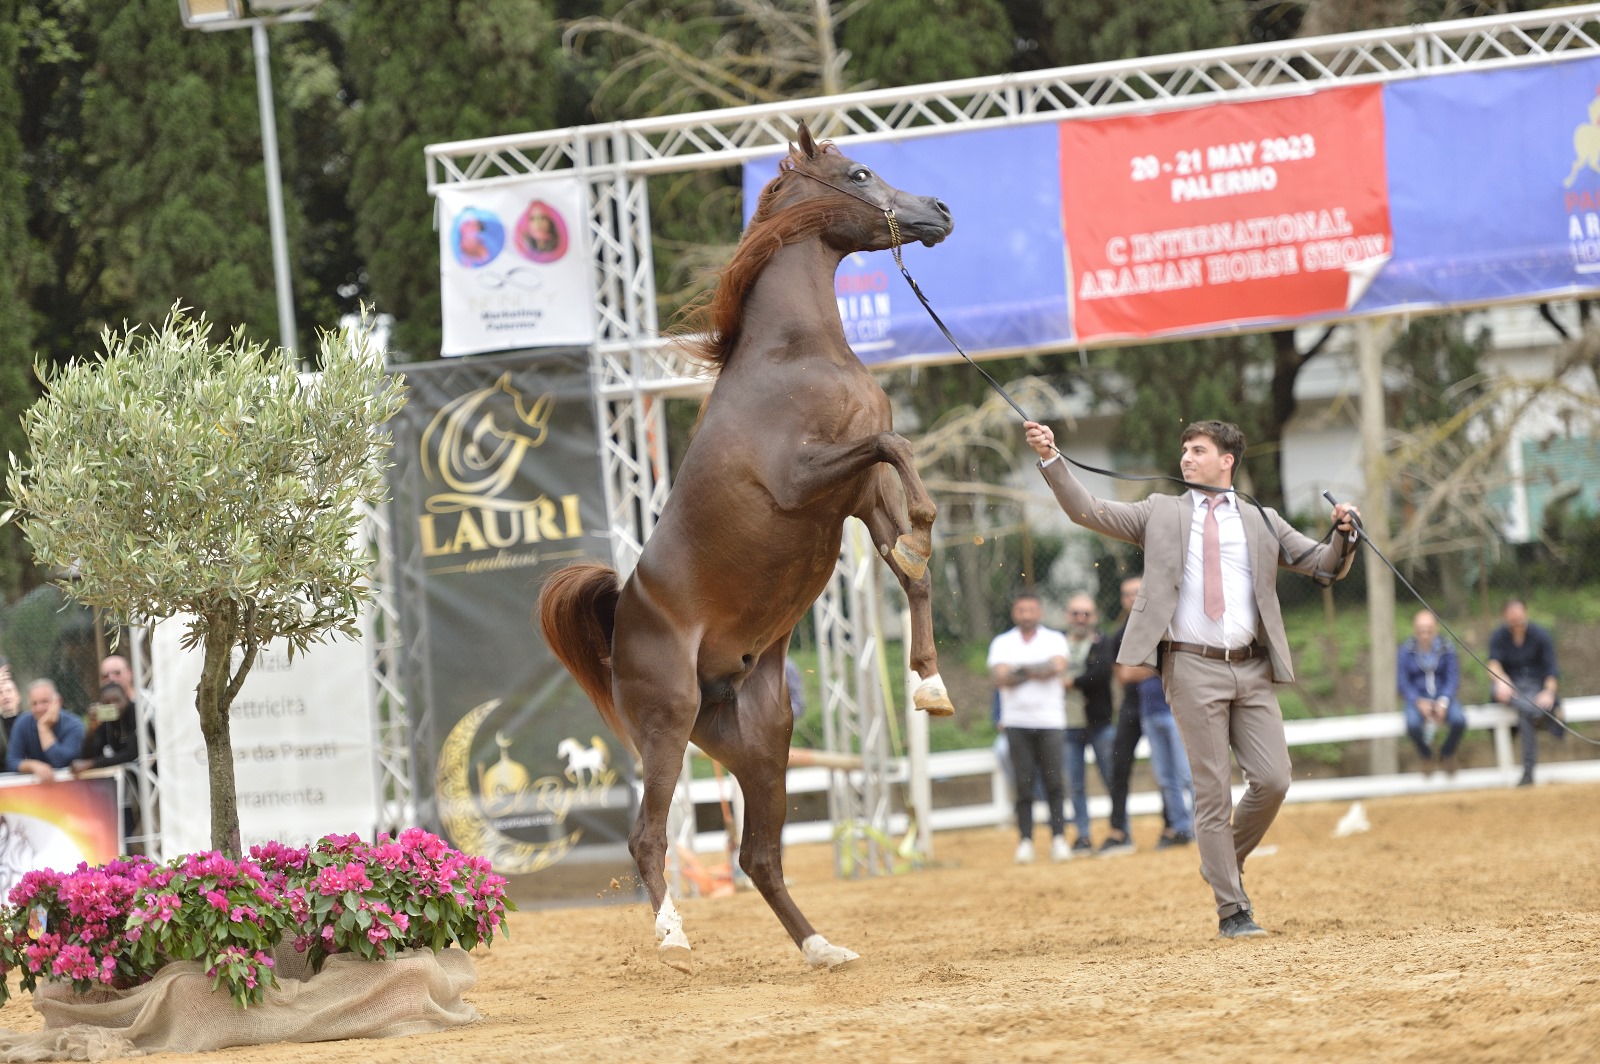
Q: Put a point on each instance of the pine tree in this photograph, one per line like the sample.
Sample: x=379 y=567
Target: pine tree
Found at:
x=446 y=71
x=1094 y=31
x=58 y=258
x=16 y=333
x=179 y=202
x=910 y=42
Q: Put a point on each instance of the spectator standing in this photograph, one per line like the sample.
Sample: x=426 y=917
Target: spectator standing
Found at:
x=1210 y=607
x=1088 y=697
x=1125 y=740
x=10 y=704
x=114 y=669
x=1522 y=660
x=47 y=738
x=1429 y=676
x=1026 y=663
x=113 y=736
x=797 y=691
x=113 y=740
x=1169 y=762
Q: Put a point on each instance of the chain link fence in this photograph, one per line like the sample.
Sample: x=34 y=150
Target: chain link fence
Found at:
x=45 y=635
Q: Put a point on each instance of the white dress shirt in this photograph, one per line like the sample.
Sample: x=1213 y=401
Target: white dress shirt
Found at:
x=1032 y=703
x=1237 y=628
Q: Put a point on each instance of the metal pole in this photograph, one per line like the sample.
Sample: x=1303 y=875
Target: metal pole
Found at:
x=920 y=789
x=1371 y=340
x=269 y=152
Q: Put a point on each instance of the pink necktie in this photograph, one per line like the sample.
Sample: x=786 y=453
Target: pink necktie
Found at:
x=1213 y=559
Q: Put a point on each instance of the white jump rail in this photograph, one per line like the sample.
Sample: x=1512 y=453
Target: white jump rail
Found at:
x=967 y=764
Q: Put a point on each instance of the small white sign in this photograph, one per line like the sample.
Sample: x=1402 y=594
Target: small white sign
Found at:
x=304 y=743
x=514 y=266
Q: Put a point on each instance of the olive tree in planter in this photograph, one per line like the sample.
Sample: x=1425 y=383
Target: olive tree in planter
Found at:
x=175 y=475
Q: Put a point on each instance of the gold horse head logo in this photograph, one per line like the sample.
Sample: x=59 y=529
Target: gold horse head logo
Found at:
x=1586 y=144
x=475 y=444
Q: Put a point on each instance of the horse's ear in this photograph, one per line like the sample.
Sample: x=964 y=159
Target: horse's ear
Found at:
x=807 y=145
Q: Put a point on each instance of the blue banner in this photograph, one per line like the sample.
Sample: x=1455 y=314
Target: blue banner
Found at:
x=999 y=281
x=1494 y=186
x=1487 y=190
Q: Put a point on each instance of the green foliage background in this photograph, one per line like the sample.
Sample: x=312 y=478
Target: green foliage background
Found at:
x=131 y=173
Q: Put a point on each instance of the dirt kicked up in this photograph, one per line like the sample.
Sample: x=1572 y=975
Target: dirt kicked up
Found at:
x=1461 y=927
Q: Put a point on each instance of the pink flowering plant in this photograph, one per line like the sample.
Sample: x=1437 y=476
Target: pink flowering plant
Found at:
x=115 y=926
x=71 y=926
x=375 y=899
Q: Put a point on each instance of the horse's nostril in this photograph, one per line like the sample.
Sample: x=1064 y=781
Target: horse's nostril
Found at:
x=943 y=209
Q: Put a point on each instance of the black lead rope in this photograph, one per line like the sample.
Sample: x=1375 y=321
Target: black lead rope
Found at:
x=1518 y=698
x=894 y=232
x=1361 y=536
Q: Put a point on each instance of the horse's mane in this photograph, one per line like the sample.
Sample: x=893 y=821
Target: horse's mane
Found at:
x=708 y=327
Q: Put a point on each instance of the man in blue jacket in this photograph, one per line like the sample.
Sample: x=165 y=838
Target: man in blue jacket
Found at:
x=1429 y=675
x=46 y=738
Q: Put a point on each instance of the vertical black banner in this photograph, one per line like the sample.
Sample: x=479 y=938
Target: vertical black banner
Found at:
x=497 y=483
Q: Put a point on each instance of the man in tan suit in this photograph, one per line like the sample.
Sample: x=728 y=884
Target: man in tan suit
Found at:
x=1208 y=616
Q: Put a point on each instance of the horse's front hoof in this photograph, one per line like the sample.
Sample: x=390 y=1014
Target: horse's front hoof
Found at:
x=674 y=953
x=910 y=562
x=932 y=698
x=820 y=953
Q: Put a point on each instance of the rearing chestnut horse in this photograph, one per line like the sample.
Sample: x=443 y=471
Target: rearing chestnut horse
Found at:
x=795 y=437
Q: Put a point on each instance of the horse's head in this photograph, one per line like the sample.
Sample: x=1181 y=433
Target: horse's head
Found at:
x=855 y=198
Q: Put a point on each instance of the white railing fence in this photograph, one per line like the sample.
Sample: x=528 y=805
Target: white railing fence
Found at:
x=944 y=768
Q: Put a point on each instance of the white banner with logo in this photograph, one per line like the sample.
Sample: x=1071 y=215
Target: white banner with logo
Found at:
x=514 y=267
x=304 y=743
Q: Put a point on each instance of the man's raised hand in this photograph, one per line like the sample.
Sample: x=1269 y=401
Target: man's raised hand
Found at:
x=1040 y=438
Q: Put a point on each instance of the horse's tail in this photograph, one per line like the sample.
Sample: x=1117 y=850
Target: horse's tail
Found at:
x=578 y=612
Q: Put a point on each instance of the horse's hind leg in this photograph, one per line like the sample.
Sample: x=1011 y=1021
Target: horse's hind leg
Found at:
x=752 y=737
x=658 y=696
x=889 y=529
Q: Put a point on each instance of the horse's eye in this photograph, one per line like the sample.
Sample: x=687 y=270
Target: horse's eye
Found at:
x=860 y=176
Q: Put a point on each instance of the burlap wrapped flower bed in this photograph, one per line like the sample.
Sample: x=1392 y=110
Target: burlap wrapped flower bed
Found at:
x=206 y=952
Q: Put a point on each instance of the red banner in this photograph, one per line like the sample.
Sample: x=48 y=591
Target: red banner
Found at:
x=1231 y=213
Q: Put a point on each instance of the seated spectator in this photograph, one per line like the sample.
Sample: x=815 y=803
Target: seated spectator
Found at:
x=46 y=738
x=1522 y=660
x=113 y=738
x=1428 y=676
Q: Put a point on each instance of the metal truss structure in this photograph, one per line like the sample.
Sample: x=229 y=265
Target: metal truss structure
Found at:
x=632 y=368
x=391 y=711
x=855 y=706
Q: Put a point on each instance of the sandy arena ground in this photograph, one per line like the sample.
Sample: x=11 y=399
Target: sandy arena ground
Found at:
x=1462 y=927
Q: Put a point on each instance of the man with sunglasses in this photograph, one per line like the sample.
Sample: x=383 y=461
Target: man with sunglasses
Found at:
x=1208 y=617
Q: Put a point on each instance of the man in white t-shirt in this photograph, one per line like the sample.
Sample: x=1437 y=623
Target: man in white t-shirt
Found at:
x=1026 y=663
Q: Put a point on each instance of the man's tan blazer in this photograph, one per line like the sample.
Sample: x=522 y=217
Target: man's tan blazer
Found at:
x=1160 y=525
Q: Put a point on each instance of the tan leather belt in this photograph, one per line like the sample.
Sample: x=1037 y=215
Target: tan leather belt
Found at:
x=1249 y=653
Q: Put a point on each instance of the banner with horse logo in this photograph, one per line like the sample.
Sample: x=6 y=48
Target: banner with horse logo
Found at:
x=1495 y=186
x=497 y=483
x=514 y=266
